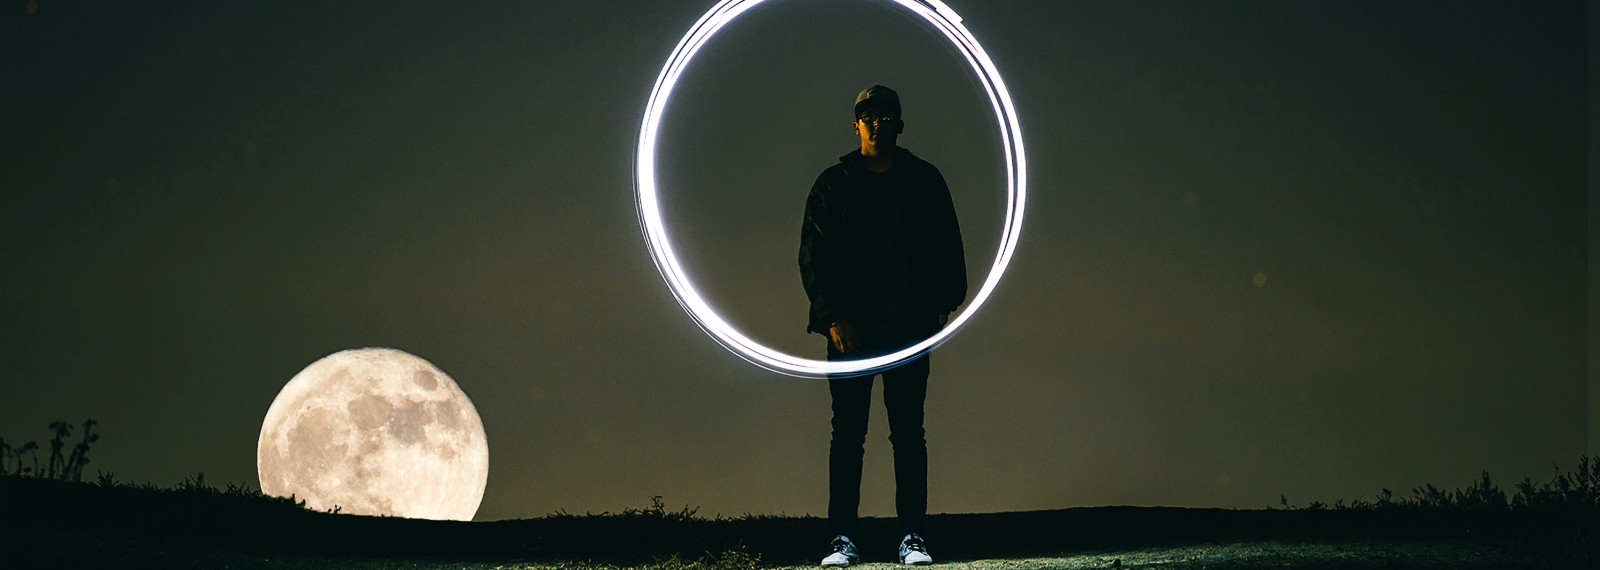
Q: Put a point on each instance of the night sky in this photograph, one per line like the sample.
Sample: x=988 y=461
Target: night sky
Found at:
x=1312 y=249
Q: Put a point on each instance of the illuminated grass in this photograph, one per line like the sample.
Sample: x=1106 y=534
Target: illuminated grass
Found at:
x=1238 y=555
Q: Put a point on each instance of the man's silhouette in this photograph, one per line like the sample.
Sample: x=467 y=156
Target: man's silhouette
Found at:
x=881 y=260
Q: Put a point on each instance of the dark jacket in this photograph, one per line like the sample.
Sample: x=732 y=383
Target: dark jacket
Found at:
x=840 y=271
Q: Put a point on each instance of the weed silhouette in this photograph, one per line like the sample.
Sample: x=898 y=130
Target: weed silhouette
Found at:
x=59 y=466
x=658 y=510
x=1565 y=509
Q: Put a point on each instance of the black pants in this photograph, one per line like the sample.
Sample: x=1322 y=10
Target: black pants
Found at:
x=905 y=387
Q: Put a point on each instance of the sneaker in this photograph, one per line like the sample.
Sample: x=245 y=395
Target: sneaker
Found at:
x=844 y=553
x=914 y=551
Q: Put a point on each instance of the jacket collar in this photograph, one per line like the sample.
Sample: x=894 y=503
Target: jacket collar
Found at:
x=852 y=160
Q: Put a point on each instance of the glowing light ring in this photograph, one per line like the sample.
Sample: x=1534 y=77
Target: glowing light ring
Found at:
x=655 y=231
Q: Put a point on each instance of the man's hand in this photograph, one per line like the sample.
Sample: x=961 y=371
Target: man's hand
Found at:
x=843 y=336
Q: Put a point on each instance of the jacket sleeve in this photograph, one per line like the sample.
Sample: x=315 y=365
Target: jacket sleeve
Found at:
x=819 y=261
x=949 y=264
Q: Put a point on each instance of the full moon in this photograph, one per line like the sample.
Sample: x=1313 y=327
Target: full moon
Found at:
x=375 y=431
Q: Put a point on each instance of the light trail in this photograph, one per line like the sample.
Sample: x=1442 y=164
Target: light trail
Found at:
x=941 y=17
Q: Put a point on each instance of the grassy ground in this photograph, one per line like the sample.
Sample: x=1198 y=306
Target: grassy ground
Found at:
x=46 y=523
x=1250 y=555
x=1235 y=555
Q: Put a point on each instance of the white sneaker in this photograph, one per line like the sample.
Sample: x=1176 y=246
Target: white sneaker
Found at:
x=914 y=551
x=844 y=553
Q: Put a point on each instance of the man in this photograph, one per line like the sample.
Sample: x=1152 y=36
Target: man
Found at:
x=881 y=260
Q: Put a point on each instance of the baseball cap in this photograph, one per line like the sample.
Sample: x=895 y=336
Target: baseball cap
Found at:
x=878 y=96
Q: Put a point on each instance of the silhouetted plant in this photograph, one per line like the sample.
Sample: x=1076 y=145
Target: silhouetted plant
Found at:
x=1385 y=499
x=196 y=484
x=1580 y=489
x=1576 y=490
x=658 y=510
x=11 y=462
x=80 y=452
x=241 y=490
x=1482 y=494
x=1569 y=500
x=59 y=466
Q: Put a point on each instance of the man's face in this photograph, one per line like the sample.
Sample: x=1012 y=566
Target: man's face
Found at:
x=878 y=126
